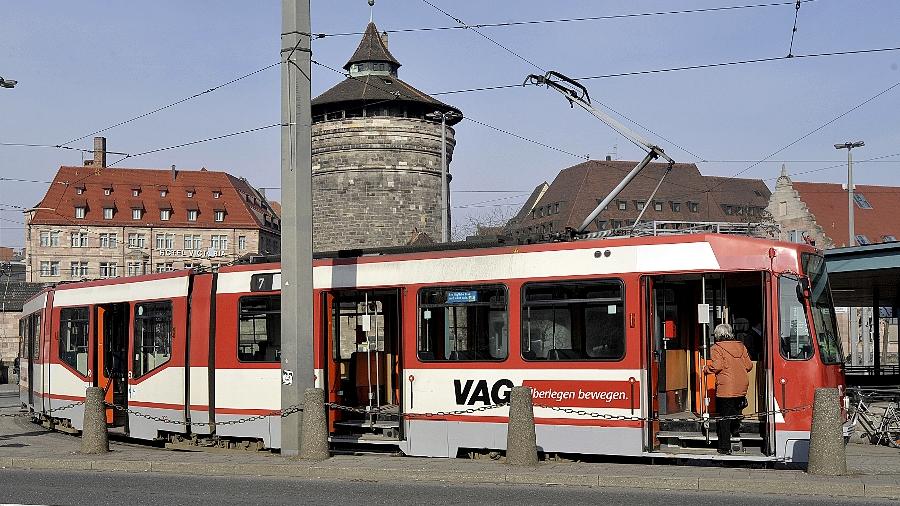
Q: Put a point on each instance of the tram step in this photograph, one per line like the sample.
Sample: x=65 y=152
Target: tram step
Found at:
x=697 y=436
x=751 y=426
x=368 y=425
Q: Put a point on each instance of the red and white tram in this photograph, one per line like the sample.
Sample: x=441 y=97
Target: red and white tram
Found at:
x=418 y=341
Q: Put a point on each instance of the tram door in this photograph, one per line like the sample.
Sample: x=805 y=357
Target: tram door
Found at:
x=110 y=354
x=363 y=363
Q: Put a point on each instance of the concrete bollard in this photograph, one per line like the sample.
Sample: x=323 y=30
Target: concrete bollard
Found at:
x=521 y=442
x=826 y=440
x=94 y=436
x=314 y=435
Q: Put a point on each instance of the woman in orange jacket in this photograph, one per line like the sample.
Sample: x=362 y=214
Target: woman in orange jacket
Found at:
x=730 y=363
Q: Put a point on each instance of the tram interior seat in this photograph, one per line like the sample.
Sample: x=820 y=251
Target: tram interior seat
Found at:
x=564 y=354
x=463 y=355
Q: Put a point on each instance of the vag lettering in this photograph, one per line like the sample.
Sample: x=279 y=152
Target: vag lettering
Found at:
x=473 y=392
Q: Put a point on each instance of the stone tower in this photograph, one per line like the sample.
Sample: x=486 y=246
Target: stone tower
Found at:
x=376 y=157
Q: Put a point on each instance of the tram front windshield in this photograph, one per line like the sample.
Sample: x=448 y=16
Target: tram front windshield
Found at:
x=822 y=307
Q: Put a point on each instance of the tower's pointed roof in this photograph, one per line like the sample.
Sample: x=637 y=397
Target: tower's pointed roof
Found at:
x=371 y=48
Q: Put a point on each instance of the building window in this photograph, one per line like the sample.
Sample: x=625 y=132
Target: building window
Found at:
x=463 y=323
x=694 y=207
x=165 y=267
x=657 y=206
x=107 y=213
x=136 y=241
x=217 y=195
x=73 y=338
x=242 y=242
x=108 y=269
x=49 y=268
x=623 y=205
x=220 y=215
x=190 y=193
x=556 y=208
x=80 y=212
x=79 y=191
x=782 y=209
x=136 y=214
x=862 y=240
x=796 y=236
x=135 y=192
x=163 y=193
x=135 y=268
x=108 y=240
x=888 y=238
x=165 y=214
x=79 y=239
x=219 y=242
x=192 y=214
x=192 y=242
x=107 y=191
x=861 y=201
x=152 y=336
x=583 y=320
x=640 y=205
x=165 y=241
x=259 y=329
x=676 y=207
x=50 y=238
x=79 y=269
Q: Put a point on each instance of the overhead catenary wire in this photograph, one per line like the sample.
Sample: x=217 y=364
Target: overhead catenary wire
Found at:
x=815 y=130
x=55 y=146
x=569 y=20
x=469 y=27
x=173 y=104
x=683 y=68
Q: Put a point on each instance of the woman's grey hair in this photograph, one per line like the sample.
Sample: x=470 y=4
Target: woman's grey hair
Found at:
x=723 y=332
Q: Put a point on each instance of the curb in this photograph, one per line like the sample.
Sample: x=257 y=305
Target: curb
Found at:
x=850 y=486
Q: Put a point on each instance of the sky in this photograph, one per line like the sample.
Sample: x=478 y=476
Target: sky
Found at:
x=83 y=66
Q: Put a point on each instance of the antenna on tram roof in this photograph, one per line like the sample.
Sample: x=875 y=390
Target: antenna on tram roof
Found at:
x=577 y=94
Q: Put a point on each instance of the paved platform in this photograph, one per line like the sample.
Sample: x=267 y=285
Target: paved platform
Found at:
x=874 y=470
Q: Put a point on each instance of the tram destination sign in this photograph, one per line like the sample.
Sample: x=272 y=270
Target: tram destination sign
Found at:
x=265 y=282
x=462 y=297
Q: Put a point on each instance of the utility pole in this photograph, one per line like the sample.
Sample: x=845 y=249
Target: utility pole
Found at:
x=445 y=191
x=297 y=369
x=849 y=146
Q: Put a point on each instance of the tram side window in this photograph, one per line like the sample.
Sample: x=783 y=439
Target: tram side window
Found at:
x=152 y=336
x=23 y=339
x=35 y=333
x=259 y=329
x=581 y=320
x=796 y=341
x=463 y=323
x=73 y=338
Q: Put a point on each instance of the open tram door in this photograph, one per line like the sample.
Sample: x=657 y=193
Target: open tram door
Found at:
x=110 y=357
x=362 y=364
x=682 y=312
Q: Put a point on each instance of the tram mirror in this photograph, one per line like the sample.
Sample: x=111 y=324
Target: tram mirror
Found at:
x=702 y=313
x=669 y=329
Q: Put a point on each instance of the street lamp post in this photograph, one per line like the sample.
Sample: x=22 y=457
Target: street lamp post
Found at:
x=849 y=147
x=445 y=203
x=7 y=83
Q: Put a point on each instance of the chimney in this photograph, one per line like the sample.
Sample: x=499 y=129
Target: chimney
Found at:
x=608 y=158
x=384 y=38
x=99 y=152
x=174 y=173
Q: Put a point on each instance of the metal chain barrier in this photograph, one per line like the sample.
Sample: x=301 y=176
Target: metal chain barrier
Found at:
x=26 y=414
x=296 y=408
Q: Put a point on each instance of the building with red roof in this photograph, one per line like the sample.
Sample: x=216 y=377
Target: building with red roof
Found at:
x=818 y=213
x=100 y=222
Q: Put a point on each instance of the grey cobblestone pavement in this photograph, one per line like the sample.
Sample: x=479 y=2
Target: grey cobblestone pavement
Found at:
x=874 y=471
